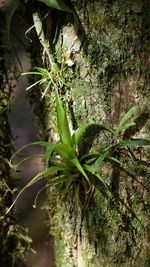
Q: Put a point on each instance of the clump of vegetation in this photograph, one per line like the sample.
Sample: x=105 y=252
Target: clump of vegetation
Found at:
x=63 y=163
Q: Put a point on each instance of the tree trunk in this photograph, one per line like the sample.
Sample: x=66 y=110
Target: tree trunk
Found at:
x=110 y=74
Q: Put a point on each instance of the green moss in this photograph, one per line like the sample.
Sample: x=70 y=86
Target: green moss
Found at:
x=64 y=237
x=110 y=74
x=14 y=239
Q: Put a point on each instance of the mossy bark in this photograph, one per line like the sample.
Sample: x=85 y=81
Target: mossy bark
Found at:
x=110 y=74
x=6 y=248
x=13 y=239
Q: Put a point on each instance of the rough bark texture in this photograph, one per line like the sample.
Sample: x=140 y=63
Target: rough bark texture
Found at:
x=110 y=74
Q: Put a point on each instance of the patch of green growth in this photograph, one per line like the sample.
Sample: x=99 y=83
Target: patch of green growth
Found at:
x=114 y=55
x=64 y=163
x=49 y=54
x=114 y=233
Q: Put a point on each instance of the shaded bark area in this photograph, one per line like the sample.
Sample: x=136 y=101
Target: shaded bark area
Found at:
x=5 y=200
x=13 y=238
x=110 y=74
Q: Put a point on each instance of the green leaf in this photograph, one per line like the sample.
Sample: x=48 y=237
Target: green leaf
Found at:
x=54 y=161
x=68 y=182
x=127 y=116
x=43 y=71
x=68 y=155
x=58 y=179
x=39 y=143
x=127 y=126
x=79 y=132
x=9 y=13
x=65 y=151
x=15 y=167
x=47 y=154
x=92 y=170
x=115 y=160
x=89 y=158
x=62 y=121
x=62 y=6
x=106 y=128
x=31 y=72
x=101 y=158
x=82 y=129
x=135 y=142
x=34 y=84
x=38 y=71
x=76 y=163
x=34 y=180
x=58 y=4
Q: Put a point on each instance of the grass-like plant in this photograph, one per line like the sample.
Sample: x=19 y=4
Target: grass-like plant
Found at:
x=63 y=164
x=46 y=79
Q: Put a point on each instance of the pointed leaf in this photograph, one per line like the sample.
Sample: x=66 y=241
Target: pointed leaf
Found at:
x=37 y=195
x=15 y=167
x=115 y=160
x=40 y=143
x=79 y=132
x=62 y=6
x=127 y=116
x=34 y=180
x=106 y=128
x=62 y=121
x=89 y=157
x=93 y=172
x=34 y=84
x=65 y=151
x=41 y=70
x=68 y=182
x=100 y=159
x=54 y=161
x=76 y=163
x=126 y=126
x=82 y=129
x=46 y=89
x=31 y=73
x=47 y=154
x=135 y=142
x=57 y=4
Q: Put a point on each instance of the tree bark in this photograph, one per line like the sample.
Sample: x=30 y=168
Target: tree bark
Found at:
x=109 y=75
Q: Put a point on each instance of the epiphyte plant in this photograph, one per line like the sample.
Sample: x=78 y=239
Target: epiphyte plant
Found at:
x=46 y=78
x=63 y=164
x=61 y=159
